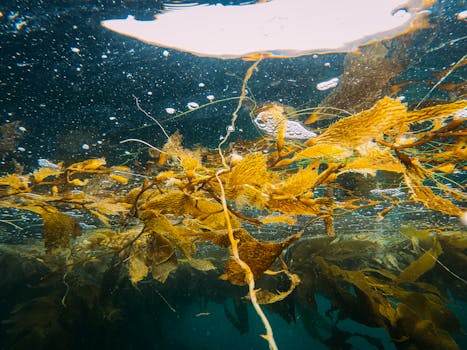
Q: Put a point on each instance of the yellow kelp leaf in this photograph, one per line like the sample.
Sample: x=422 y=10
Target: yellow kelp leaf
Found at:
x=167 y=175
x=119 y=178
x=302 y=181
x=302 y=206
x=435 y=112
x=108 y=206
x=445 y=168
x=374 y=159
x=44 y=172
x=258 y=255
x=251 y=170
x=14 y=183
x=121 y=168
x=457 y=240
x=78 y=182
x=210 y=214
x=285 y=219
x=429 y=199
x=418 y=236
x=268 y=297
x=151 y=253
x=375 y=300
x=190 y=160
x=321 y=150
x=173 y=202
x=104 y=219
x=59 y=228
x=89 y=164
x=422 y=265
x=178 y=235
x=137 y=267
x=201 y=264
x=363 y=127
x=281 y=137
x=252 y=196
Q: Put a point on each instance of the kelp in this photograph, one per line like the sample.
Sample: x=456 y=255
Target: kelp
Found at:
x=191 y=199
x=412 y=311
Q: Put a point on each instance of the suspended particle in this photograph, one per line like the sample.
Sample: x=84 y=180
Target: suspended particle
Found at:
x=85 y=146
x=75 y=49
x=170 y=110
x=165 y=53
x=327 y=64
x=328 y=84
x=210 y=97
x=192 y=105
x=201 y=85
x=22 y=129
x=21 y=149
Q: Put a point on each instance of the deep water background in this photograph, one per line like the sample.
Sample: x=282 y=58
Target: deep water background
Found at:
x=69 y=82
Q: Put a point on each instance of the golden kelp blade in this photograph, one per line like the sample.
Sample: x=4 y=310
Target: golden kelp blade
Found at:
x=282 y=28
x=259 y=255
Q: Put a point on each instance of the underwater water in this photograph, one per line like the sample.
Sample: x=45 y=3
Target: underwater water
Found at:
x=105 y=244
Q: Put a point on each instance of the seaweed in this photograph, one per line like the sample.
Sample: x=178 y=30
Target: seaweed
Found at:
x=198 y=198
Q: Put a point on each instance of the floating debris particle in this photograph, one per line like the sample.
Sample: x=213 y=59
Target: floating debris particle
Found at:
x=170 y=110
x=328 y=84
x=192 y=105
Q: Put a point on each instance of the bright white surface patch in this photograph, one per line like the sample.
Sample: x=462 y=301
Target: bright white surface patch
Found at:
x=286 y=27
x=328 y=84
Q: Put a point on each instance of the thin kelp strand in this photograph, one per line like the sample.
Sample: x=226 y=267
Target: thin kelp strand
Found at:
x=201 y=107
x=150 y=116
x=248 y=74
x=320 y=108
x=144 y=143
x=443 y=266
x=459 y=63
